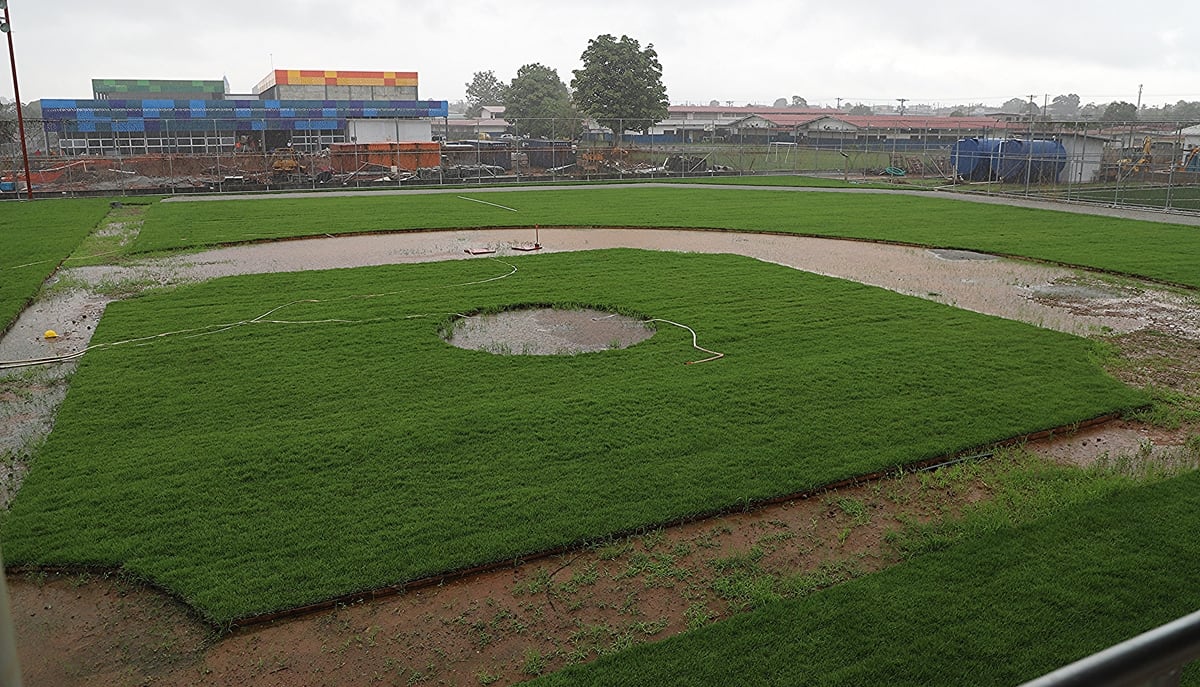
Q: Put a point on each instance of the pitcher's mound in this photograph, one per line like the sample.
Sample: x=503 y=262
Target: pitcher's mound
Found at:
x=547 y=331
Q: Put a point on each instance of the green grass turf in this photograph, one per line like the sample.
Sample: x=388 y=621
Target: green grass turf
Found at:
x=788 y=180
x=34 y=238
x=998 y=610
x=1159 y=251
x=1178 y=197
x=271 y=465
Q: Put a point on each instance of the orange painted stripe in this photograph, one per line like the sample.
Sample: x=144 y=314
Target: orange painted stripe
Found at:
x=329 y=77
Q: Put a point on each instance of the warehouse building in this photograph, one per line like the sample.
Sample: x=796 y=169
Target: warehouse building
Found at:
x=300 y=109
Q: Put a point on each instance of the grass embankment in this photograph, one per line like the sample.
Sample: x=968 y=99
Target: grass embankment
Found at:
x=1159 y=251
x=34 y=239
x=998 y=609
x=270 y=465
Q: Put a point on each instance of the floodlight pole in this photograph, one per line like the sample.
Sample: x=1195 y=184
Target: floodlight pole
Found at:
x=12 y=60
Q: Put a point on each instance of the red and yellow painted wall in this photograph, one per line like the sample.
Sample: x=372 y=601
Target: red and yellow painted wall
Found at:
x=331 y=77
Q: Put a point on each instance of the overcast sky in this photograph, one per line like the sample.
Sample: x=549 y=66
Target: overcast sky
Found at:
x=745 y=51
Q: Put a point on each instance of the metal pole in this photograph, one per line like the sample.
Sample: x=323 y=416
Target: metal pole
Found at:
x=220 y=177
x=12 y=60
x=10 y=670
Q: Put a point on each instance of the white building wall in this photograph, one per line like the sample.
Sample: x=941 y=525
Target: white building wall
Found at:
x=1084 y=157
x=1191 y=136
x=388 y=130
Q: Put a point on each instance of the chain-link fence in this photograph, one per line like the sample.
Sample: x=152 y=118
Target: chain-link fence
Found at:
x=1135 y=164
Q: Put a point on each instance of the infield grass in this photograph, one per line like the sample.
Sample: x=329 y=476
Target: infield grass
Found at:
x=35 y=237
x=345 y=445
x=1164 y=252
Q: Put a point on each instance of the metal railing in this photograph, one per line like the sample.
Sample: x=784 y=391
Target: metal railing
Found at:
x=1152 y=659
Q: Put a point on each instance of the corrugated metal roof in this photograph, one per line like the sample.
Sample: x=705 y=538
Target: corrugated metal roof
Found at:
x=894 y=121
x=748 y=110
x=924 y=122
x=791 y=119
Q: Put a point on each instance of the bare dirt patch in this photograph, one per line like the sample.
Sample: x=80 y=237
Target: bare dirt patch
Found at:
x=1115 y=441
x=496 y=628
x=547 y=331
x=1155 y=358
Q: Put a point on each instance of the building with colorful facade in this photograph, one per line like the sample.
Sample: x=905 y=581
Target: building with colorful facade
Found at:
x=301 y=109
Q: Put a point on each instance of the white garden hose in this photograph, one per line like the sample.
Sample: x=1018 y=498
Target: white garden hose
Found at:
x=714 y=355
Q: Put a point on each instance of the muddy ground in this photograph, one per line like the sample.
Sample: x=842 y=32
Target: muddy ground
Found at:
x=527 y=619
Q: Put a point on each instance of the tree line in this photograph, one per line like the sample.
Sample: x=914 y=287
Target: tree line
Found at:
x=1068 y=107
x=620 y=86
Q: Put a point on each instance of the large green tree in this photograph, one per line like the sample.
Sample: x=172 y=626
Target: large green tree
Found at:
x=538 y=104
x=484 y=89
x=620 y=84
x=8 y=120
x=1065 y=106
x=1015 y=106
x=1120 y=111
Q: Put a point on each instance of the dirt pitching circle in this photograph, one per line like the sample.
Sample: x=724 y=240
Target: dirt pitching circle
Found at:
x=547 y=331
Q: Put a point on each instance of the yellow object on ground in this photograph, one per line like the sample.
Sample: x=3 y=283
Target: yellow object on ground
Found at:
x=51 y=334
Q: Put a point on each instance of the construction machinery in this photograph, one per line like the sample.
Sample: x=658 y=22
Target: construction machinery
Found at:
x=1147 y=158
x=1191 y=160
x=285 y=165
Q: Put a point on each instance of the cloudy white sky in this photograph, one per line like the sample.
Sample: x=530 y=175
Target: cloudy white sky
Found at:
x=744 y=51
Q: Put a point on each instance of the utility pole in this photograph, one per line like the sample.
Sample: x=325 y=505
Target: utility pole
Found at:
x=839 y=104
x=902 y=101
x=1139 y=103
x=6 y=27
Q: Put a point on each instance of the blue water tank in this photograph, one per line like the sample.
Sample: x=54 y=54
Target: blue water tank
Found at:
x=1036 y=161
x=975 y=159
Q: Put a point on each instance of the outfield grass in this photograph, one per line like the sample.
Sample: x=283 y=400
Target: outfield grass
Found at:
x=1159 y=251
x=1178 y=197
x=34 y=239
x=786 y=180
x=997 y=610
x=270 y=465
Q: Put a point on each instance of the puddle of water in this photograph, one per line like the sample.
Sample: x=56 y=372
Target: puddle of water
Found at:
x=1079 y=291
x=73 y=315
x=950 y=254
x=547 y=331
